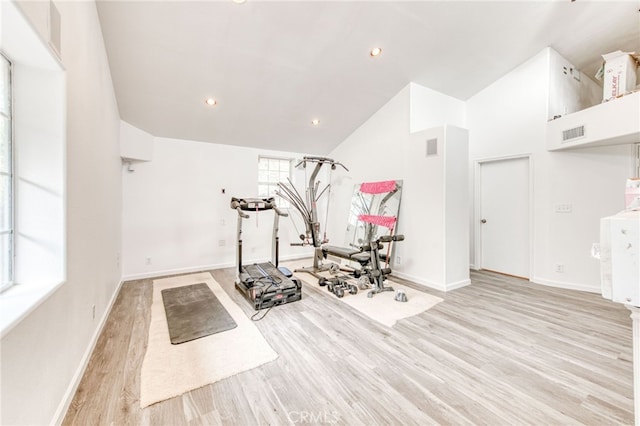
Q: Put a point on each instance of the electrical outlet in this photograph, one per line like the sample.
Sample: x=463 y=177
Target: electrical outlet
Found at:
x=117 y=260
x=147 y=261
x=398 y=260
x=222 y=222
x=93 y=312
x=563 y=208
x=560 y=268
x=222 y=243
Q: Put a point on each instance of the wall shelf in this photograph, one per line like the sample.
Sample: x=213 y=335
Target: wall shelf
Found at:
x=611 y=123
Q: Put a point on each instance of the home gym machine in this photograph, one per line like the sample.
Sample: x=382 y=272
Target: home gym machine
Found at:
x=264 y=284
x=307 y=207
x=366 y=254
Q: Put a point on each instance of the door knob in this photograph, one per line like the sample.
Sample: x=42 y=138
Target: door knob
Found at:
x=483 y=221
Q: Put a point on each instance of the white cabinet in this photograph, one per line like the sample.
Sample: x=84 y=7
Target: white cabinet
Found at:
x=620 y=257
x=611 y=123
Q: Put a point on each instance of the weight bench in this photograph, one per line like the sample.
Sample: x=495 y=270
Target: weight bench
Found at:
x=356 y=255
x=370 y=205
x=368 y=256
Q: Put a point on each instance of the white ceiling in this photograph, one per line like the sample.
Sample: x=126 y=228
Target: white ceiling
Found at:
x=274 y=66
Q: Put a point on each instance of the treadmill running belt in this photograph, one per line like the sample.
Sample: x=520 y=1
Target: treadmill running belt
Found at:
x=265 y=273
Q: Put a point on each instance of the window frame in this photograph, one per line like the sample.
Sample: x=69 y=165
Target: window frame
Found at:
x=281 y=203
x=10 y=173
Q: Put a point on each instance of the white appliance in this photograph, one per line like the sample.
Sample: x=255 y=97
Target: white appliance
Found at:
x=620 y=257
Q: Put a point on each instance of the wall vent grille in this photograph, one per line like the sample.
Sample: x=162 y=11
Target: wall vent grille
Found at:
x=571 y=134
x=432 y=147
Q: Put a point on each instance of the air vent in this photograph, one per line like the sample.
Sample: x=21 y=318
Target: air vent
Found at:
x=432 y=147
x=572 y=134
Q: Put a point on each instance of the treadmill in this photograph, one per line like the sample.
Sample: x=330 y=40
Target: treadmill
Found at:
x=264 y=284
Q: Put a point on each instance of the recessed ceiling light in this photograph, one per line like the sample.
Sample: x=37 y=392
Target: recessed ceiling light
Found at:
x=375 y=51
x=239 y=1
x=315 y=121
x=210 y=102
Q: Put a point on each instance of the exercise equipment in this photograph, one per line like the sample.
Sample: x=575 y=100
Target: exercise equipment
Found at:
x=307 y=206
x=374 y=271
x=264 y=284
x=400 y=296
x=338 y=285
x=370 y=275
x=367 y=252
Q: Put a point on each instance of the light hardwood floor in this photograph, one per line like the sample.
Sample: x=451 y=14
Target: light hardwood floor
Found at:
x=501 y=351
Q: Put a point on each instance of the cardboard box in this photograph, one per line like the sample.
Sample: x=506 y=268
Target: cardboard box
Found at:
x=632 y=194
x=619 y=73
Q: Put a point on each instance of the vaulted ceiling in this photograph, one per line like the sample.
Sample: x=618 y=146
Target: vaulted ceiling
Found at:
x=274 y=66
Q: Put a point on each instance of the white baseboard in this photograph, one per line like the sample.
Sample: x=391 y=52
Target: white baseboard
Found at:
x=458 y=284
x=431 y=284
x=61 y=412
x=566 y=285
x=422 y=282
x=160 y=273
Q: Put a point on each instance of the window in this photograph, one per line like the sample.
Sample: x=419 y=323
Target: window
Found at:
x=32 y=168
x=6 y=176
x=270 y=172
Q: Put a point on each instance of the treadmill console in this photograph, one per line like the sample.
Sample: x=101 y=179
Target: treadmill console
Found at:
x=253 y=204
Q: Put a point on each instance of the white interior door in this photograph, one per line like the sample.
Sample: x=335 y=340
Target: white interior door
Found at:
x=504 y=216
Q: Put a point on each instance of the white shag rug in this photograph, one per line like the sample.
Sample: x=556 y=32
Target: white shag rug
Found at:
x=171 y=370
x=382 y=307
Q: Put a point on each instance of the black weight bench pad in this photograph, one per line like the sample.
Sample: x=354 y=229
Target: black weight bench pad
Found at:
x=347 y=253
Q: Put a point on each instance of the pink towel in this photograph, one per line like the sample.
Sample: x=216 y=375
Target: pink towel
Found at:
x=378 y=187
x=386 y=221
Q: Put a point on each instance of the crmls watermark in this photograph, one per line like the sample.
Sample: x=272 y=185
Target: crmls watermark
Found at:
x=314 y=417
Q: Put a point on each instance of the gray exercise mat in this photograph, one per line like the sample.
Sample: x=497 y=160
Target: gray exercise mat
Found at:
x=193 y=311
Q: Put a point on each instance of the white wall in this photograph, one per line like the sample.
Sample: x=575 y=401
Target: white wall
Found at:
x=383 y=148
x=43 y=354
x=569 y=89
x=175 y=214
x=509 y=118
x=135 y=144
x=429 y=109
x=456 y=238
